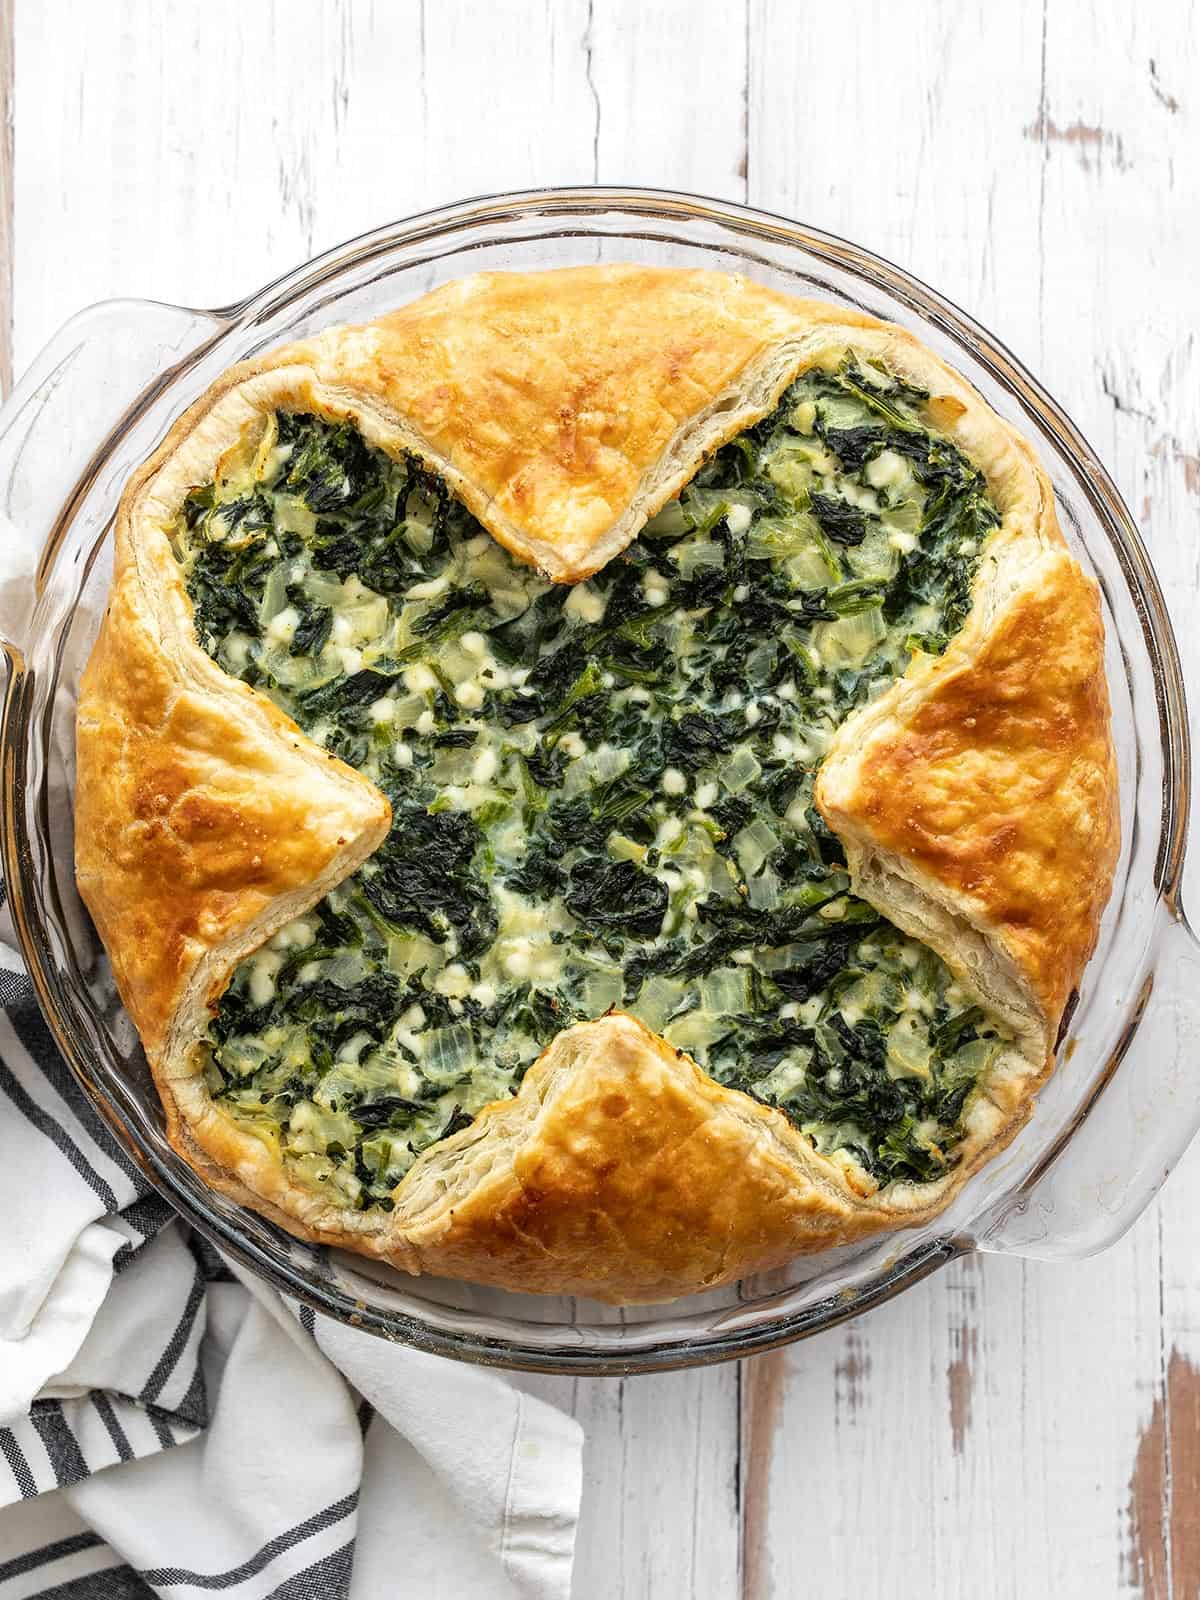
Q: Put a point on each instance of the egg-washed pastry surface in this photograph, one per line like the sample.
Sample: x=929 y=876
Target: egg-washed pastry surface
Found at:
x=601 y=806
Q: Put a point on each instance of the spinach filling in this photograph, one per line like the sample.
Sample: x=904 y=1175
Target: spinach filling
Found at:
x=602 y=793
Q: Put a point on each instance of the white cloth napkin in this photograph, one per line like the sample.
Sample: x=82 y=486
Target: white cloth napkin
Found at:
x=169 y=1426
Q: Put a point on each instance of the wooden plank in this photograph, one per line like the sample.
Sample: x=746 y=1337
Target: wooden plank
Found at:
x=115 y=167
x=321 y=121
x=956 y=1434
x=660 y=1483
x=1120 y=222
x=911 y=144
x=1136 y=149
x=1039 y=187
x=669 y=84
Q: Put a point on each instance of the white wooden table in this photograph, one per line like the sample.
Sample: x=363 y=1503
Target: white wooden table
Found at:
x=1006 y=1429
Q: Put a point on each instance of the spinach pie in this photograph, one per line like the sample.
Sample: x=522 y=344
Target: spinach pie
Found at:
x=597 y=782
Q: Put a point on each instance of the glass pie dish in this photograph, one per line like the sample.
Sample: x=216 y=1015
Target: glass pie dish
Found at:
x=1109 y=1125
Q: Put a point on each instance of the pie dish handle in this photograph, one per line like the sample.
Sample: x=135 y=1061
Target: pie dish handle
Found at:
x=1147 y=1103
x=96 y=374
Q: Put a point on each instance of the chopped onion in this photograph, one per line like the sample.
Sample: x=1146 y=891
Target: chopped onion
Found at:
x=764 y=890
x=812 y=569
x=668 y=523
x=378 y=1074
x=908 y=1049
x=877 y=556
x=785 y=538
x=602 y=990
x=409 y=953
x=787 y=1076
x=313 y=1128
x=849 y=641
x=275 y=596
x=754 y=844
x=741 y=769
x=697 y=554
x=659 y=999
x=448 y=1052
x=459 y=665
x=598 y=766
x=726 y=991
x=625 y=849
x=696 y=1030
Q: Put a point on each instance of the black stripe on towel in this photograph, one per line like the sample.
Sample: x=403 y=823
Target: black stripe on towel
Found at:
x=15 y=1457
x=30 y=1028
x=15 y=989
x=165 y=1577
x=113 y=1583
x=169 y=1359
x=112 y=1423
x=208 y=1259
x=162 y=1427
x=193 y=1407
x=327 y=1579
x=48 y=1553
x=61 y=1444
x=149 y=1215
x=45 y=1124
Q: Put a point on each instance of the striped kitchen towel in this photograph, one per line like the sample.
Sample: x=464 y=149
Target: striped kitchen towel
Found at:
x=169 y=1426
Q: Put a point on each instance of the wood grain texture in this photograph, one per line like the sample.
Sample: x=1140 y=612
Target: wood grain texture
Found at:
x=1047 y=190
x=1006 y=1429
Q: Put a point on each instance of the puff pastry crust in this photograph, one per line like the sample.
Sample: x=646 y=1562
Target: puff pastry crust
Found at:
x=976 y=798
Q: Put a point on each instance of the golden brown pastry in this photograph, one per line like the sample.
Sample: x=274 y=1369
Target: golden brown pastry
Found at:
x=864 y=600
